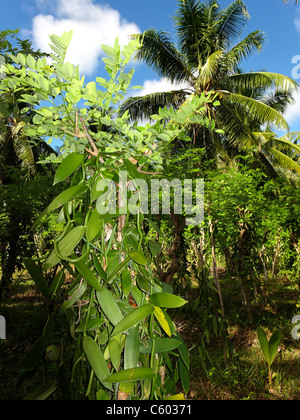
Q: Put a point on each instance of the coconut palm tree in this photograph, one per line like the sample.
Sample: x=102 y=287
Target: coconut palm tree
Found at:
x=206 y=57
x=16 y=150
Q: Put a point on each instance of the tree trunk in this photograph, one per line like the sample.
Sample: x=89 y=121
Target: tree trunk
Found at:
x=229 y=262
x=241 y=271
x=276 y=258
x=218 y=286
x=266 y=276
x=215 y=270
x=201 y=243
x=179 y=224
x=8 y=267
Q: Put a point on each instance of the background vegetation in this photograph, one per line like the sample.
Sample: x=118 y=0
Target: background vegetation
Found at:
x=144 y=306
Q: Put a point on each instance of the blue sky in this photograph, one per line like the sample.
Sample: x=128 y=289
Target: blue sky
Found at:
x=98 y=22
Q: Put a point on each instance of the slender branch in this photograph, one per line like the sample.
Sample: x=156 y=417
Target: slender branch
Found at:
x=88 y=136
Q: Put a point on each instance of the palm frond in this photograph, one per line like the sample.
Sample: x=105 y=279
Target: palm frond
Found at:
x=194 y=22
x=293 y=138
x=231 y=22
x=24 y=153
x=236 y=131
x=265 y=80
x=285 y=161
x=249 y=45
x=160 y=54
x=287 y=143
x=278 y=99
x=209 y=69
x=257 y=110
x=141 y=107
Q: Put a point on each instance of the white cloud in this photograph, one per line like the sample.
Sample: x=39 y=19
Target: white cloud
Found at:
x=292 y=114
x=155 y=86
x=93 y=25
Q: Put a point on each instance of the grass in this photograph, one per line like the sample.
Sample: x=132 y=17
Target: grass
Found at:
x=245 y=377
x=25 y=317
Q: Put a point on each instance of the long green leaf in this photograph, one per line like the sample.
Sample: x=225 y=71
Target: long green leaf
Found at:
x=115 y=351
x=126 y=282
x=79 y=292
x=264 y=344
x=96 y=360
x=62 y=199
x=35 y=354
x=273 y=345
x=71 y=240
x=183 y=351
x=265 y=80
x=92 y=325
x=167 y=300
x=162 y=345
x=65 y=247
x=130 y=375
x=94 y=226
x=258 y=110
x=184 y=376
x=37 y=276
x=133 y=318
x=67 y=167
x=138 y=257
x=111 y=277
x=132 y=348
x=88 y=275
x=67 y=196
x=109 y=306
x=42 y=393
x=285 y=160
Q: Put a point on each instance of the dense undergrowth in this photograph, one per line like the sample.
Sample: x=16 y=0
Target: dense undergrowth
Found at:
x=244 y=377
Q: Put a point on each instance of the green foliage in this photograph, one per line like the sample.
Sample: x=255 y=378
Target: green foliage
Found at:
x=20 y=203
x=122 y=309
x=269 y=348
x=207 y=57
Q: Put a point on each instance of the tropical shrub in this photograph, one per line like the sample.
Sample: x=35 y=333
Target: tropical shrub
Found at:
x=109 y=334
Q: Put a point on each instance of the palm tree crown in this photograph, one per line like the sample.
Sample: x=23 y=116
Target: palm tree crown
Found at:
x=206 y=57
